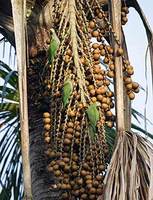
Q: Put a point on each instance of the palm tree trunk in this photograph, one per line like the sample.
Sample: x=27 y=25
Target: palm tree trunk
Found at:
x=41 y=179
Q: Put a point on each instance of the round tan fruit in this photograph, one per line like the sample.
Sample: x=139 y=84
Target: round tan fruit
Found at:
x=95 y=46
x=120 y=52
x=92 y=24
x=135 y=85
x=95 y=33
x=110 y=74
x=96 y=56
x=131 y=95
x=46 y=114
x=125 y=9
x=70 y=124
x=47 y=139
x=129 y=86
x=127 y=80
x=47 y=120
x=47 y=127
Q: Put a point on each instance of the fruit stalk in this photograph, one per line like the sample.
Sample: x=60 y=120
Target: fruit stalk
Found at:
x=115 y=7
x=75 y=47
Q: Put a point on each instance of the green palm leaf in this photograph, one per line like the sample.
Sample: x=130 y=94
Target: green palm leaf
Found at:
x=11 y=178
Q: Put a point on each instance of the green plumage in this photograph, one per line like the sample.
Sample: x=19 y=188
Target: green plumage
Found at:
x=54 y=45
x=93 y=117
x=67 y=91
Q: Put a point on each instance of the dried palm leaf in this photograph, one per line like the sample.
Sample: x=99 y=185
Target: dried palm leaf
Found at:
x=130 y=173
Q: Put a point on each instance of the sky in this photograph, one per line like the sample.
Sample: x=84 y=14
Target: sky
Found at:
x=137 y=45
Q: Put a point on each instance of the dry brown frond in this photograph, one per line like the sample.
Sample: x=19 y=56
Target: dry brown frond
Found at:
x=130 y=173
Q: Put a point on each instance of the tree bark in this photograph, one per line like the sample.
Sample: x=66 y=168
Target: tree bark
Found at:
x=42 y=181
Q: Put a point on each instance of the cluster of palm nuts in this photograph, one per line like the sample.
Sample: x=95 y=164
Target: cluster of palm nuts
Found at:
x=124 y=13
x=76 y=149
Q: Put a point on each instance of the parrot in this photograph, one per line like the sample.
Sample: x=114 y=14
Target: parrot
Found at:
x=67 y=91
x=93 y=117
x=53 y=47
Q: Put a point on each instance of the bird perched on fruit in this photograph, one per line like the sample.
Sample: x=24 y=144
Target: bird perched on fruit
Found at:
x=53 y=47
x=67 y=91
x=93 y=117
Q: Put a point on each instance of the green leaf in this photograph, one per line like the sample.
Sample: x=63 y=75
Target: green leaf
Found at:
x=7 y=78
x=138 y=128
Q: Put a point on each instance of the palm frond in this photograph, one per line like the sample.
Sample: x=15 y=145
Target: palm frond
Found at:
x=11 y=179
x=130 y=171
x=137 y=114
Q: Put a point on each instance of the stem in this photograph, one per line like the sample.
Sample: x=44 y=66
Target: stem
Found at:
x=19 y=17
x=73 y=19
x=116 y=24
x=127 y=102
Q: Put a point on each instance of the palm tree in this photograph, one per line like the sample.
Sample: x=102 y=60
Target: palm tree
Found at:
x=39 y=23
x=11 y=178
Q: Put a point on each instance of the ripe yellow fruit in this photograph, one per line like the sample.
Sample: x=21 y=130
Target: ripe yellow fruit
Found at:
x=92 y=24
x=96 y=51
x=95 y=46
x=95 y=33
x=47 y=120
x=47 y=127
x=69 y=52
x=129 y=86
x=112 y=67
x=131 y=95
x=119 y=52
x=96 y=56
x=102 y=52
x=46 y=114
x=67 y=58
x=93 y=99
x=135 y=85
x=47 y=139
x=109 y=124
x=92 y=92
x=72 y=113
x=109 y=113
x=67 y=141
x=110 y=74
x=127 y=80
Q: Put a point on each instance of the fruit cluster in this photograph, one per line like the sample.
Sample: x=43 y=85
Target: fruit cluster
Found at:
x=81 y=99
x=124 y=13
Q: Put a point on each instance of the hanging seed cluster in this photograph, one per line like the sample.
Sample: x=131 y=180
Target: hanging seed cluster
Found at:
x=124 y=13
x=78 y=82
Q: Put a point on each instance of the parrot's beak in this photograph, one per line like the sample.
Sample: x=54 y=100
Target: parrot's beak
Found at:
x=51 y=31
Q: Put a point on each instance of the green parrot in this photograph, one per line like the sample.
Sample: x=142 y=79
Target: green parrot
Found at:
x=53 y=47
x=67 y=91
x=93 y=117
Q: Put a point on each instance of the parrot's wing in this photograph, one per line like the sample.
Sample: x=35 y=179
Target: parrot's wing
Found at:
x=67 y=91
x=54 y=45
x=91 y=133
x=93 y=115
